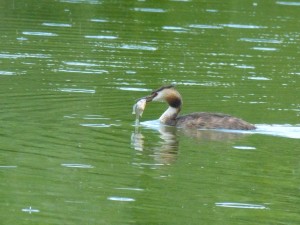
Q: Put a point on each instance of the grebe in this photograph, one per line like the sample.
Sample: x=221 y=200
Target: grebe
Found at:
x=199 y=120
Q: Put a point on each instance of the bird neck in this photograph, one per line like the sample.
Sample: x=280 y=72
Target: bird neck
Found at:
x=169 y=116
x=175 y=102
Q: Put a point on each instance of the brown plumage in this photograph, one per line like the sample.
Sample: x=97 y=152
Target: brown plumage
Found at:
x=199 y=120
x=212 y=121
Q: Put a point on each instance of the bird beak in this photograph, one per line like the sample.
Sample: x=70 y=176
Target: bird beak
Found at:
x=148 y=98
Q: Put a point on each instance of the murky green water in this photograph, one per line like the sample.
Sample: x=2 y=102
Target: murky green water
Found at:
x=70 y=73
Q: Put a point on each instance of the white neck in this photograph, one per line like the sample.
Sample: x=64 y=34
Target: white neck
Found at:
x=169 y=115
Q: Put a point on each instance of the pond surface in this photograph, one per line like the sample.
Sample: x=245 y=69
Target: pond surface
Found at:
x=70 y=73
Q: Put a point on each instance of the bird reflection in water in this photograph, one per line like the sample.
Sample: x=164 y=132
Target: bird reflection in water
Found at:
x=165 y=151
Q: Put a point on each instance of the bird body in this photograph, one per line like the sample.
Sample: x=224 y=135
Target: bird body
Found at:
x=199 y=120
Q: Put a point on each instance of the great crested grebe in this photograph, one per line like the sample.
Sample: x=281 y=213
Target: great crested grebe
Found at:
x=199 y=120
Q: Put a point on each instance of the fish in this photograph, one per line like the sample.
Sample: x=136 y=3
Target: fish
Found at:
x=138 y=109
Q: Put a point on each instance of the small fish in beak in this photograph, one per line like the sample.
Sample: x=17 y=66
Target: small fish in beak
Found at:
x=138 y=109
x=139 y=106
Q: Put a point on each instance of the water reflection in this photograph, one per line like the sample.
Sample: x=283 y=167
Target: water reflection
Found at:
x=243 y=26
x=23 y=55
x=288 y=3
x=240 y=205
x=8 y=167
x=264 y=49
x=76 y=165
x=150 y=10
x=244 y=147
x=30 y=210
x=165 y=150
x=57 y=24
x=205 y=26
x=261 y=40
x=47 y=34
x=121 y=199
x=101 y=37
x=7 y=73
x=77 y=90
x=92 y=2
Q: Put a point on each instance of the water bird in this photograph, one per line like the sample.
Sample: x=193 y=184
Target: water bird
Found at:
x=198 y=120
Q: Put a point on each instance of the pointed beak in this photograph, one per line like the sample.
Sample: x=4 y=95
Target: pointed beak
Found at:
x=148 y=98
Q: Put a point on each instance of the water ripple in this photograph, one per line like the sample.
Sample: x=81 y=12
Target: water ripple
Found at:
x=258 y=78
x=288 y=3
x=87 y=71
x=23 y=55
x=100 y=36
x=121 y=199
x=30 y=210
x=92 y=2
x=133 y=89
x=76 y=165
x=138 y=47
x=7 y=73
x=205 y=26
x=94 y=117
x=99 y=20
x=57 y=24
x=77 y=90
x=130 y=189
x=243 y=26
x=244 y=147
x=240 y=205
x=35 y=33
x=265 y=49
x=261 y=40
x=243 y=66
x=8 y=167
x=80 y=64
x=97 y=125
x=174 y=29
x=152 y=10
x=286 y=130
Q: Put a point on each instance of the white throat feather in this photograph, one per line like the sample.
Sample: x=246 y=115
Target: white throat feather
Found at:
x=169 y=116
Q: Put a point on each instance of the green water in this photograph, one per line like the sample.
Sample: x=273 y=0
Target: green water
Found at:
x=71 y=71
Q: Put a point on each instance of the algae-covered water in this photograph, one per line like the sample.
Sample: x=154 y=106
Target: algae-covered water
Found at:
x=70 y=73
